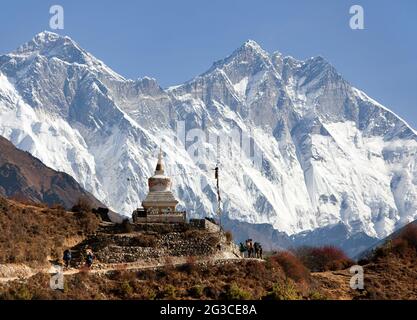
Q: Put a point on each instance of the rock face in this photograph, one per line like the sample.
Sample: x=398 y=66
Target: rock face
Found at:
x=330 y=154
x=24 y=177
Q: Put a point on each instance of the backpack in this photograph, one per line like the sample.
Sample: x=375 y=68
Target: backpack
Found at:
x=67 y=255
x=90 y=257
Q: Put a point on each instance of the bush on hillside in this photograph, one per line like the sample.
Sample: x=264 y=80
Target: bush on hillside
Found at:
x=409 y=234
x=291 y=265
x=82 y=205
x=404 y=243
x=323 y=258
x=146 y=240
x=196 y=291
x=234 y=292
x=127 y=227
x=229 y=236
x=283 y=291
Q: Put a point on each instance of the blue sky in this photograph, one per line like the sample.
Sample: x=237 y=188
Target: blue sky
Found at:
x=174 y=41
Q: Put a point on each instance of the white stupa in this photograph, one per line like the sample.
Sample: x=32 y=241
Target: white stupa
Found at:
x=160 y=198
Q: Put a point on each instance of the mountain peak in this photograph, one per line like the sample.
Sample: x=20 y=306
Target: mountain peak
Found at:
x=248 y=53
x=51 y=44
x=46 y=36
x=251 y=46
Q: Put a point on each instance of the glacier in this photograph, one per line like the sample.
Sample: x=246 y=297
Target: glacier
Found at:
x=330 y=155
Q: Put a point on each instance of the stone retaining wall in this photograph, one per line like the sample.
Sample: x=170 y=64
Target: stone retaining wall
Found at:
x=122 y=248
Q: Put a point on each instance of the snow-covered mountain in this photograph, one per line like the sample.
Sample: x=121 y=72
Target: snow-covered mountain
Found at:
x=331 y=155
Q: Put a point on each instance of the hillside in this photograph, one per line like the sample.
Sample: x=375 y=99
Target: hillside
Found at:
x=390 y=271
x=181 y=261
x=228 y=281
x=26 y=178
x=32 y=234
x=368 y=253
x=141 y=261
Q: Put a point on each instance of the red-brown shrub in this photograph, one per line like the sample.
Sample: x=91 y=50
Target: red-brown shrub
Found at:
x=399 y=245
x=402 y=244
x=190 y=265
x=323 y=258
x=410 y=235
x=291 y=265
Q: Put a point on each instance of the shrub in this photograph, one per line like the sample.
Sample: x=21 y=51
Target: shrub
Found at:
x=323 y=258
x=23 y=293
x=126 y=289
x=4 y=206
x=168 y=292
x=399 y=246
x=233 y=292
x=229 y=236
x=88 y=221
x=292 y=266
x=127 y=226
x=58 y=206
x=380 y=252
x=148 y=294
x=146 y=240
x=196 y=291
x=211 y=292
x=82 y=205
x=283 y=291
x=409 y=234
x=193 y=234
x=169 y=267
x=191 y=265
x=255 y=269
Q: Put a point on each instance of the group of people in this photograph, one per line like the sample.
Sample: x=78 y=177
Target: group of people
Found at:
x=253 y=249
x=89 y=258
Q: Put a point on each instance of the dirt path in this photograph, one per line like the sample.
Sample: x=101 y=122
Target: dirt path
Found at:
x=100 y=268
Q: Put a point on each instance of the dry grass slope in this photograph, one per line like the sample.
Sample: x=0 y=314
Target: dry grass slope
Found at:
x=32 y=234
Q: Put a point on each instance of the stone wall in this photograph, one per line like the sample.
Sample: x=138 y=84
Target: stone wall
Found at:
x=161 y=218
x=123 y=248
x=161 y=228
x=204 y=224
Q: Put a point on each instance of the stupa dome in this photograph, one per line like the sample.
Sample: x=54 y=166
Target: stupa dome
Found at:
x=160 y=196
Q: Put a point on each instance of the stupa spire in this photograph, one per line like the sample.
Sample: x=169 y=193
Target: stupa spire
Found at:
x=160 y=164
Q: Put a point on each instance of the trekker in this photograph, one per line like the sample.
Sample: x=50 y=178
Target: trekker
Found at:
x=257 y=245
x=247 y=244
x=67 y=258
x=89 y=258
x=250 y=248
x=260 y=251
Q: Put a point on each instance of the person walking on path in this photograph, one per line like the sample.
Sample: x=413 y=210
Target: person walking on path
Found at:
x=67 y=258
x=89 y=258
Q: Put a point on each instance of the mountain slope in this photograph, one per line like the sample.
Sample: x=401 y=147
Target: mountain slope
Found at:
x=24 y=177
x=329 y=154
x=368 y=252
